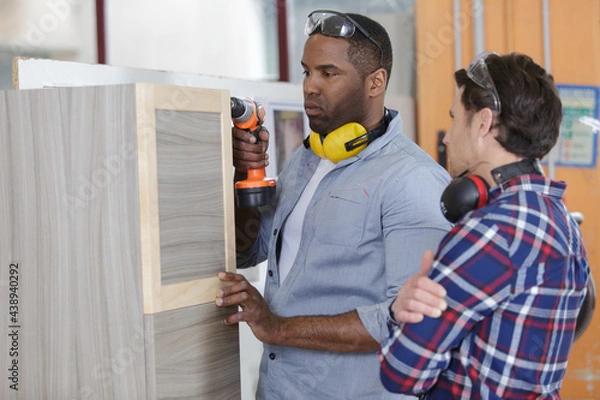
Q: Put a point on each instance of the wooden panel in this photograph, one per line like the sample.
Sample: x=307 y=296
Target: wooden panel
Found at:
x=527 y=17
x=504 y=22
x=466 y=35
x=79 y=213
x=158 y=295
x=435 y=69
x=69 y=204
x=190 y=195
x=195 y=355
x=498 y=20
x=575 y=38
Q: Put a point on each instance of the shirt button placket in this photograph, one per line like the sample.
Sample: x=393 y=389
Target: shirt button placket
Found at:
x=270 y=272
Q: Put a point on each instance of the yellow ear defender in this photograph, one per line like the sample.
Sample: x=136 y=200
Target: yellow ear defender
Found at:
x=333 y=146
x=346 y=141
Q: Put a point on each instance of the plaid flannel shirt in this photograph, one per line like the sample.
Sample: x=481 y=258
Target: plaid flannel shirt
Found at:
x=515 y=272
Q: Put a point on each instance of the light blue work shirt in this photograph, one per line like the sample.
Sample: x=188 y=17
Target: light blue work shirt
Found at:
x=364 y=233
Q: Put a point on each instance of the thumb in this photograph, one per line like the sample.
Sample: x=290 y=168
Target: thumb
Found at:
x=264 y=134
x=426 y=262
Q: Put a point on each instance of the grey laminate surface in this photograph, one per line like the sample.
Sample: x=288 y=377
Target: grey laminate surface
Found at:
x=196 y=356
x=190 y=194
x=71 y=260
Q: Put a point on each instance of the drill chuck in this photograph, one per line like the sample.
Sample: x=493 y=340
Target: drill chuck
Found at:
x=247 y=114
x=241 y=110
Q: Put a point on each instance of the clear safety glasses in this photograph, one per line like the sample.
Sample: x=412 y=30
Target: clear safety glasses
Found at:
x=478 y=72
x=335 y=24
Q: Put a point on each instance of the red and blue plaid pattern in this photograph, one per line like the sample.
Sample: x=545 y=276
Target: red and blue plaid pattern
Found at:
x=515 y=272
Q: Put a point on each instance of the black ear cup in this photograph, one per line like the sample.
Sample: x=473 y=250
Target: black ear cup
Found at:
x=587 y=310
x=463 y=195
x=467 y=193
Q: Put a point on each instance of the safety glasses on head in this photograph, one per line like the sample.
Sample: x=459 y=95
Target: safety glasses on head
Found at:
x=478 y=72
x=336 y=24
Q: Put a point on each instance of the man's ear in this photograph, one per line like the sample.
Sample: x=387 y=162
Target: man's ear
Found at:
x=485 y=120
x=376 y=82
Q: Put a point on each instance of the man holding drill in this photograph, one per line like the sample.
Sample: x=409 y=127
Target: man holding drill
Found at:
x=355 y=209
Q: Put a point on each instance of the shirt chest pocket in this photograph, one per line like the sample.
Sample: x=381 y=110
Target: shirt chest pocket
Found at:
x=340 y=217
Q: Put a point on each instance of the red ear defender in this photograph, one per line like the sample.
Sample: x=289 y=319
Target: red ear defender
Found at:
x=462 y=195
x=467 y=193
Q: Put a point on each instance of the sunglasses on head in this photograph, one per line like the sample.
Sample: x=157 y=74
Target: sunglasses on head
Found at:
x=336 y=24
x=478 y=72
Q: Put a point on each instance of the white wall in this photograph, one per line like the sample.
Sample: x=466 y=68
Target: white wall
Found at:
x=65 y=28
x=60 y=29
x=230 y=38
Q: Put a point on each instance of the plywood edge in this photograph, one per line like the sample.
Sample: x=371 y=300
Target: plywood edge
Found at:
x=15 y=71
x=181 y=98
x=228 y=194
x=148 y=198
x=191 y=293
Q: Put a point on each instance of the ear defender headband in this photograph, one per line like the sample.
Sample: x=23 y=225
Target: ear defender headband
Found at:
x=467 y=193
x=346 y=141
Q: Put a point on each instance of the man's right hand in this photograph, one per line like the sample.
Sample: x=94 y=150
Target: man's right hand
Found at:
x=247 y=154
x=420 y=296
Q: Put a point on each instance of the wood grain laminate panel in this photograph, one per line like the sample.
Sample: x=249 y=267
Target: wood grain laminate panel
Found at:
x=177 y=199
x=70 y=221
x=79 y=213
x=190 y=195
x=196 y=355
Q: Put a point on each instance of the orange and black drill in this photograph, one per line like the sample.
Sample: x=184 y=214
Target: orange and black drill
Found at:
x=255 y=190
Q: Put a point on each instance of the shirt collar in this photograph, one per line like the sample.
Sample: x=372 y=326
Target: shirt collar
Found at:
x=531 y=183
x=394 y=129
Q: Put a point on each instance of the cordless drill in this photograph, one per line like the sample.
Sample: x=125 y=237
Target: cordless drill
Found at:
x=255 y=190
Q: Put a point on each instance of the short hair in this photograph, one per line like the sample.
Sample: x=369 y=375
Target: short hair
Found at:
x=363 y=54
x=529 y=123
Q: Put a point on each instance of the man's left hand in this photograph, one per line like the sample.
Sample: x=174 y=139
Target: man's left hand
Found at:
x=254 y=309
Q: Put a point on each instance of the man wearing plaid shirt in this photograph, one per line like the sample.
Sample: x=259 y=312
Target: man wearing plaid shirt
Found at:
x=513 y=269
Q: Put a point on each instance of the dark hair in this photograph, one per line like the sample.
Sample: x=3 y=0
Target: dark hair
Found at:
x=529 y=122
x=362 y=53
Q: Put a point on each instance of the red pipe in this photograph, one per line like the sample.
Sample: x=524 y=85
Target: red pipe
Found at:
x=100 y=32
x=284 y=71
